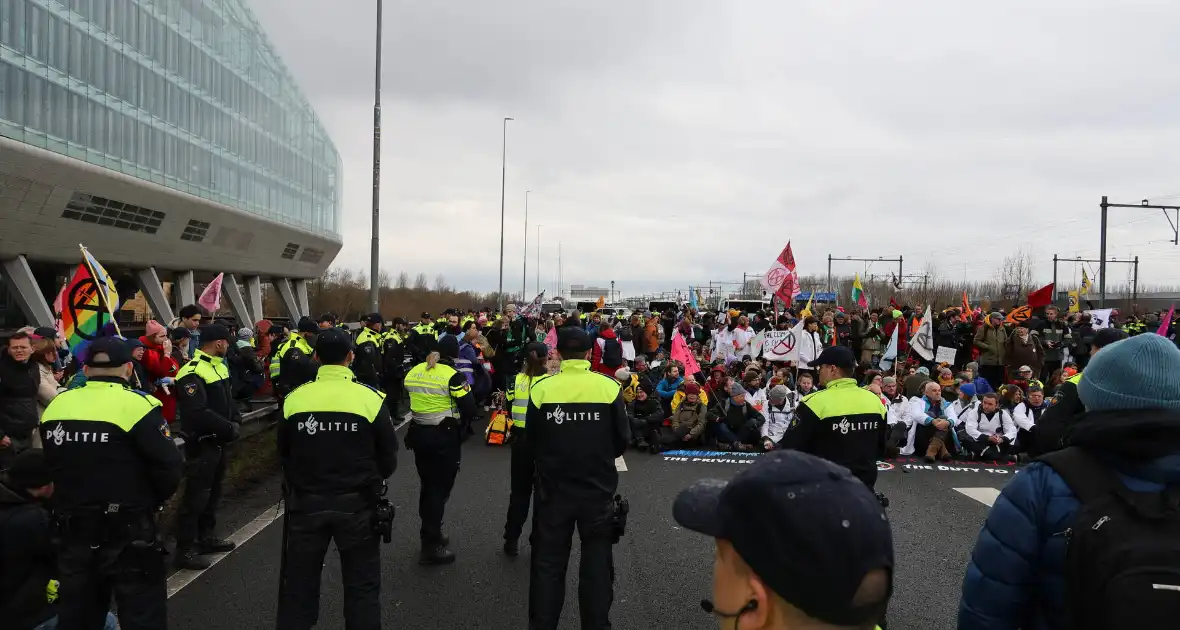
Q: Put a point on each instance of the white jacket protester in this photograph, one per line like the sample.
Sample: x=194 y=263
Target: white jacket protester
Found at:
x=743 y=336
x=778 y=419
x=1026 y=417
x=978 y=424
x=960 y=407
x=810 y=345
x=723 y=344
x=918 y=409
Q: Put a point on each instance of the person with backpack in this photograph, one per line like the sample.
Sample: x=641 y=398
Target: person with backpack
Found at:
x=608 y=352
x=1085 y=537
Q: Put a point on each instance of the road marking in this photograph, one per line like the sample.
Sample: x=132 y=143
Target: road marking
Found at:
x=620 y=464
x=986 y=496
x=183 y=578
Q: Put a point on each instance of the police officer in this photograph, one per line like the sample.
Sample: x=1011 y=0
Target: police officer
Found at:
x=113 y=465
x=210 y=419
x=292 y=364
x=337 y=445
x=424 y=337
x=440 y=405
x=1066 y=405
x=841 y=423
x=367 y=362
x=397 y=359
x=517 y=397
x=577 y=427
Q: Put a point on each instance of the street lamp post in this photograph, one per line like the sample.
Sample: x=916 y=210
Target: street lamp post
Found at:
x=524 y=275
x=539 y=259
x=503 y=181
x=374 y=253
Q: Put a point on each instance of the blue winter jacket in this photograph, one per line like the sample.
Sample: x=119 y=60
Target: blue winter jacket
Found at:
x=1015 y=577
x=667 y=390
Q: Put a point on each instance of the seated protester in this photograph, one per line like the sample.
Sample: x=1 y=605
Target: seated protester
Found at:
x=1024 y=379
x=678 y=397
x=647 y=416
x=804 y=386
x=779 y=413
x=641 y=371
x=982 y=385
x=1018 y=571
x=740 y=427
x=965 y=400
x=718 y=383
x=946 y=378
x=629 y=383
x=752 y=383
x=989 y=430
x=1025 y=415
x=897 y=419
x=687 y=424
x=1010 y=396
x=933 y=425
x=668 y=386
x=915 y=384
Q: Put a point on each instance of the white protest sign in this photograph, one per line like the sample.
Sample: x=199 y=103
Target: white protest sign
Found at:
x=946 y=355
x=1100 y=318
x=757 y=344
x=780 y=345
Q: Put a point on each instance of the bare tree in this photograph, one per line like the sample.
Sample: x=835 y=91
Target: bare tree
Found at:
x=1016 y=274
x=440 y=284
x=403 y=280
x=384 y=280
x=420 y=282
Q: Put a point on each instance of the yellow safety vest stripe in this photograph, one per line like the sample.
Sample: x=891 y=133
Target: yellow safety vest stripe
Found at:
x=1075 y=379
x=100 y=401
x=210 y=371
x=431 y=393
x=295 y=340
x=575 y=384
x=334 y=389
x=367 y=336
x=844 y=398
x=518 y=398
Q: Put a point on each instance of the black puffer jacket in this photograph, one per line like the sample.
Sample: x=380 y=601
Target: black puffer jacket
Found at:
x=27 y=560
x=18 y=397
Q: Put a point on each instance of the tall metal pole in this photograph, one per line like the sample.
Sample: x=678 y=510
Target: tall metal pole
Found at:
x=1102 y=258
x=829 y=273
x=1135 y=286
x=503 y=181
x=524 y=275
x=375 y=252
x=1055 y=278
x=539 y=259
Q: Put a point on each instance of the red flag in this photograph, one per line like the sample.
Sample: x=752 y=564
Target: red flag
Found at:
x=781 y=279
x=1041 y=297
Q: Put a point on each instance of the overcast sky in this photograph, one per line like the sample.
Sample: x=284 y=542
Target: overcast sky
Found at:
x=670 y=142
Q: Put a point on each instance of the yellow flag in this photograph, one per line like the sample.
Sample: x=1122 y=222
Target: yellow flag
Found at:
x=601 y=301
x=806 y=312
x=1086 y=286
x=1074 y=301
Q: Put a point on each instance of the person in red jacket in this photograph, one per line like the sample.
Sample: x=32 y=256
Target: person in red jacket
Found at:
x=161 y=367
x=608 y=353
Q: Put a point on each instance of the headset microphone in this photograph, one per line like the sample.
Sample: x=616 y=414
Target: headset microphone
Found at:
x=708 y=607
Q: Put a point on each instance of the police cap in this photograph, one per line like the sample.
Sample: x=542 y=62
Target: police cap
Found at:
x=374 y=318
x=114 y=351
x=399 y=321
x=213 y=332
x=838 y=356
x=307 y=325
x=332 y=345
x=572 y=339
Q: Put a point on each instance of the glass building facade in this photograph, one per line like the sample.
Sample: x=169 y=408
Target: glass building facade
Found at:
x=188 y=94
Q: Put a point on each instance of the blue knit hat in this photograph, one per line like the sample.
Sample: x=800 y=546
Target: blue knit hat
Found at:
x=1142 y=372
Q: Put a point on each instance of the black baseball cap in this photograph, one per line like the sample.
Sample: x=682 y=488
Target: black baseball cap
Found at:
x=838 y=356
x=117 y=352
x=307 y=325
x=573 y=339
x=399 y=321
x=328 y=317
x=213 y=332
x=808 y=528
x=374 y=318
x=332 y=345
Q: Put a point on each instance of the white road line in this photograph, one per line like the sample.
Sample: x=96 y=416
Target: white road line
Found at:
x=986 y=496
x=620 y=464
x=181 y=579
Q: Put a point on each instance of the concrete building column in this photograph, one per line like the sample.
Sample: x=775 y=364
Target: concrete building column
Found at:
x=283 y=286
x=186 y=291
x=301 y=296
x=254 y=297
x=233 y=293
x=23 y=287
x=149 y=283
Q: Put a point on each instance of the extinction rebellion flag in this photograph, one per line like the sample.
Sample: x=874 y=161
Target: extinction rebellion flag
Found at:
x=781 y=280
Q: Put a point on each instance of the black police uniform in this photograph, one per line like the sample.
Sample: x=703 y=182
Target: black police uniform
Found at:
x=366 y=360
x=397 y=359
x=842 y=422
x=337 y=445
x=296 y=365
x=209 y=419
x=113 y=464
x=577 y=427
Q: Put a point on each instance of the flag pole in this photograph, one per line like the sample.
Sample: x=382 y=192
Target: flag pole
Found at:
x=102 y=294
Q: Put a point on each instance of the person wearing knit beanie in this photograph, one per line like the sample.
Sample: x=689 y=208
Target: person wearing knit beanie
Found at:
x=1142 y=372
x=154 y=328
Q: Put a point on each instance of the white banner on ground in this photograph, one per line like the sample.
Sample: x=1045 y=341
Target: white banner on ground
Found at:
x=946 y=355
x=923 y=342
x=1100 y=318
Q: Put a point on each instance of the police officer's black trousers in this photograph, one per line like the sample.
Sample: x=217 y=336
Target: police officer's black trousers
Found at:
x=204 y=471
x=308 y=535
x=521 y=485
x=89 y=576
x=437 y=451
x=554 y=519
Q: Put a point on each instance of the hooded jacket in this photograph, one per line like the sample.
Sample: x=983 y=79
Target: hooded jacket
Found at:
x=158 y=365
x=1015 y=577
x=689 y=417
x=991 y=343
x=604 y=335
x=27 y=559
x=18 y=397
x=1024 y=352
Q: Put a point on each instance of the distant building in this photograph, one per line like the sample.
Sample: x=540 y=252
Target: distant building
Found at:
x=170 y=139
x=583 y=292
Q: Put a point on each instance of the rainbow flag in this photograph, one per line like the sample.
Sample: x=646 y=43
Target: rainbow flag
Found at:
x=858 y=293
x=86 y=314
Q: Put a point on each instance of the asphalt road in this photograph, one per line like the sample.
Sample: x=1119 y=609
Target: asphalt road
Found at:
x=662 y=571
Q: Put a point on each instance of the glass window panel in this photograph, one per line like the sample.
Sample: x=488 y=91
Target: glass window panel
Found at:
x=35 y=27
x=75 y=53
x=35 y=103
